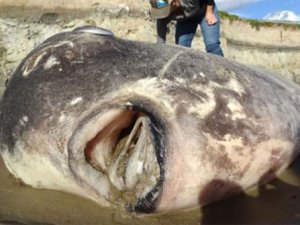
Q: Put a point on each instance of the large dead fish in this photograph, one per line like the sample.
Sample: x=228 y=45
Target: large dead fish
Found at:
x=151 y=127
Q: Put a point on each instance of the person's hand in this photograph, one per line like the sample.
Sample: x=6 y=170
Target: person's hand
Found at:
x=210 y=18
x=175 y=5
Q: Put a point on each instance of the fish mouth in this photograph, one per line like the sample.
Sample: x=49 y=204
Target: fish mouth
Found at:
x=124 y=145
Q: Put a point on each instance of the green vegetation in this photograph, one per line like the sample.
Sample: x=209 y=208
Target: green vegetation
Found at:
x=231 y=18
x=257 y=24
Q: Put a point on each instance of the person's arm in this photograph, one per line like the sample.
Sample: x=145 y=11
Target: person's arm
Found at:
x=209 y=16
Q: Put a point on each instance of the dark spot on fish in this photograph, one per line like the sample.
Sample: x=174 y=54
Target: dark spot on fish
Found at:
x=186 y=97
x=218 y=189
x=188 y=94
x=217 y=123
x=220 y=123
x=221 y=161
x=188 y=70
x=224 y=75
x=219 y=158
x=181 y=110
x=224 y=161
x=276 y=160
x=239 y=150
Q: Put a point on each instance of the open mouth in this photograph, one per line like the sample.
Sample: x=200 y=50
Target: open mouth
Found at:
x=125 y=146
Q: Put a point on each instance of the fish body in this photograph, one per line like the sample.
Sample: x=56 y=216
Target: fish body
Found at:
x=153 y=128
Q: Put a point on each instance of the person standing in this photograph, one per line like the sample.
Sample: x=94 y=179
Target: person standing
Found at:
x=161 y=11
x=189 y=14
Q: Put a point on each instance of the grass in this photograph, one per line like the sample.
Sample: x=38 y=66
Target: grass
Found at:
x=257 y=24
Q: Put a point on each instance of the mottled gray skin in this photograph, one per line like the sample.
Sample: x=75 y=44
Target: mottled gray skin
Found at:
x=217 y=127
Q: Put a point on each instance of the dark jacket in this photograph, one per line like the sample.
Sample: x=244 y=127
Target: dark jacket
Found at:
x=193 y=8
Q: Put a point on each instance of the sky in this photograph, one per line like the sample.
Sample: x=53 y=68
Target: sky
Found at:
x=278 y=10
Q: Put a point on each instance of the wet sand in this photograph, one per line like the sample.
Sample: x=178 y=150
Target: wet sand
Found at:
x=275 y=203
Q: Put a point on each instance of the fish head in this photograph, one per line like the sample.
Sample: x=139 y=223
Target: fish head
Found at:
x=86 y=113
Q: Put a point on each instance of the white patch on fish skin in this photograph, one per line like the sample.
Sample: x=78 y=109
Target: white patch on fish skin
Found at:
x=76 y=100
x=24 y=120
x=234 y=85
x=202 y=74
x=71 y=44
x=180 y=80
x=62 y=118
x=29 y=65
x=52 y=61
x=129 y=105
x=168 y=64
x=236 y=109
x=204 y=108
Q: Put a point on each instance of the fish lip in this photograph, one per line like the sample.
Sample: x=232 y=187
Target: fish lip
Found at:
x=148 y=203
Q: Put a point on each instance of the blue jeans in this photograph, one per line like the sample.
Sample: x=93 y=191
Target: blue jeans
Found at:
x=185 y=32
